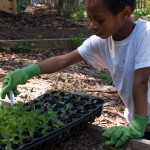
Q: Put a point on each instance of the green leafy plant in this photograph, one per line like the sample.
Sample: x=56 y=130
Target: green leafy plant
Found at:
x=29 y=125
x=17 y=119
x=57 y=124
x=4 y=49
x=140 y=12
x=42 y=119
x=79 y=15
x=68 y=107
x=7 y=136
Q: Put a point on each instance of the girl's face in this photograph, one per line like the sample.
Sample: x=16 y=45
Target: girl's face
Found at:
x=103 y=22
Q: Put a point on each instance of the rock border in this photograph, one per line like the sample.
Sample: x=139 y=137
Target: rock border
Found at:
x=39 y=44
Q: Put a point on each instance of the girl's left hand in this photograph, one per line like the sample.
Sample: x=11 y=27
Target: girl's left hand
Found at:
x=118 y=135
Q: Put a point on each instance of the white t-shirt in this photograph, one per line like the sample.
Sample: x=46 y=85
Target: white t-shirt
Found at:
x=121 y=58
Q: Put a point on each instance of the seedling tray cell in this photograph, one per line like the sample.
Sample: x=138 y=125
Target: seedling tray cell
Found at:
x=73 y=110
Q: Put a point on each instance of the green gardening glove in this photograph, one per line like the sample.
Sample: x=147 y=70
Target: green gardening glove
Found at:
x=118 y=135
x=18 y=76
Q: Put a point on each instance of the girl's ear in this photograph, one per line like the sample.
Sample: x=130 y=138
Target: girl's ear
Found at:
x=126 y=12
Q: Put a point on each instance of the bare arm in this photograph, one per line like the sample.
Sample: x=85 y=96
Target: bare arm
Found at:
x=140 y=88
x=57 y=63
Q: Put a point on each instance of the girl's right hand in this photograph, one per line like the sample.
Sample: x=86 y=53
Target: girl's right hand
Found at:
x=16 y=77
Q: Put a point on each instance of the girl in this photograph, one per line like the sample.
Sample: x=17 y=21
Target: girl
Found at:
x=121 y=46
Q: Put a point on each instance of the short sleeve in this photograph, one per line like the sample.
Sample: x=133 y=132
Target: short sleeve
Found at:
x=142 y=52
x=91 y=51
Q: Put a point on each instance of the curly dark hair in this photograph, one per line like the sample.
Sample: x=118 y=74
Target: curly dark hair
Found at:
x=116 y=6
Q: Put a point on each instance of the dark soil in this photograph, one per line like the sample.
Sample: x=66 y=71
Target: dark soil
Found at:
x=40 y=26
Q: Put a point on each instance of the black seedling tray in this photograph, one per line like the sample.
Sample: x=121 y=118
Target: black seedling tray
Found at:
x=73 y=109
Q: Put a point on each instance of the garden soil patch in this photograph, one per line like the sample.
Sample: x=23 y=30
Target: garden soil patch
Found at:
x=44 y=26
x=81 y=77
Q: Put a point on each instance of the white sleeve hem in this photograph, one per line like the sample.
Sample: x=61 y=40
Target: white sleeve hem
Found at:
x=142 y=65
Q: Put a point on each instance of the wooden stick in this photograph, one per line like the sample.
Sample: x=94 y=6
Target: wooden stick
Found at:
x=99 y=90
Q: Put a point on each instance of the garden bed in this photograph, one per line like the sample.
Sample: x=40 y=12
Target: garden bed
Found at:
x=41 y=26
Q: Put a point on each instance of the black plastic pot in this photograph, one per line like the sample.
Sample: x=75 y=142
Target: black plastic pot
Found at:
x=75 y=119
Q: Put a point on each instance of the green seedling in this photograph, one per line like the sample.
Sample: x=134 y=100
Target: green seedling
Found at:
x=17 y=119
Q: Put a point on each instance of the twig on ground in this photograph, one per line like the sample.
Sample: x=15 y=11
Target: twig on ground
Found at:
x=99 y=90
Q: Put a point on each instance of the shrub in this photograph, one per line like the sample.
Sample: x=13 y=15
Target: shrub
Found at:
x=140 y=12
x=148 y=6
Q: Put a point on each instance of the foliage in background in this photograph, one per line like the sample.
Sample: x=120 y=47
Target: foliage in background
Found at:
x=74 y=8
x=79 y=15
x=105 y=75
x=64 y=7
x=140 y=12
x=148 y=6
x=24 y=47
x=77 y=41
x=68 y=7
